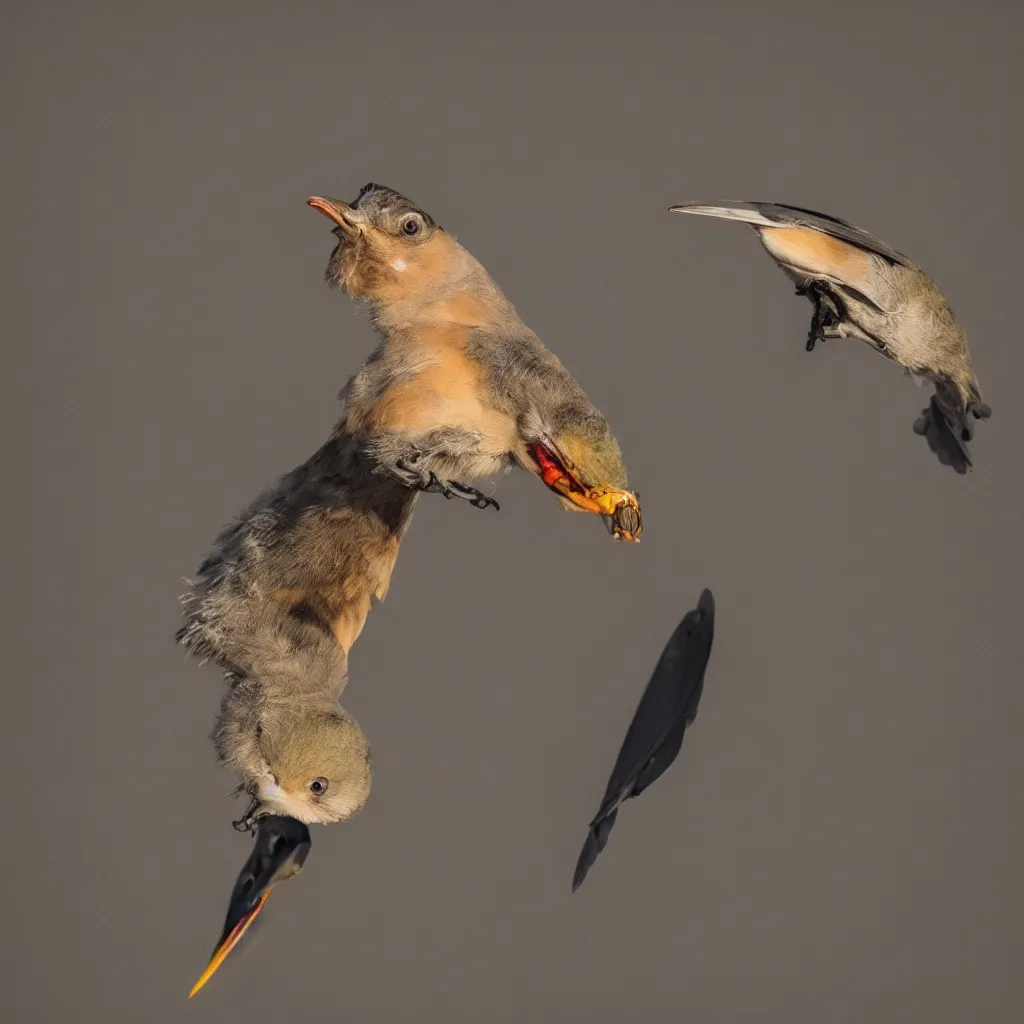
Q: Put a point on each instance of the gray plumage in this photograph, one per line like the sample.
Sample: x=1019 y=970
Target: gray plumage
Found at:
x=460 y=388
x=862 y=288
x=277 y=605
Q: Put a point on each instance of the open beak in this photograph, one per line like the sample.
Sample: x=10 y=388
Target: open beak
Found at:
x=279 y=852
x=619 y=509
x=347 y=218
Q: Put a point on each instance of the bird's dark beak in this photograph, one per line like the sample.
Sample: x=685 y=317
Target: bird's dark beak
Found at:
x=280 y=850
x=346 y=217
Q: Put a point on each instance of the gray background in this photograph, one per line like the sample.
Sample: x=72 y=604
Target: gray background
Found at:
x=841 y=837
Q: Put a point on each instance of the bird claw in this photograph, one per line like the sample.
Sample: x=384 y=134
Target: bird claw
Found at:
x=476 y=498
x=428 y=482
x=825 y=319
x=247 y=822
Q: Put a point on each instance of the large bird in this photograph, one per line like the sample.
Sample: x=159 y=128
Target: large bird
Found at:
x=666 y=710
x=861 y=288
x=277 y=605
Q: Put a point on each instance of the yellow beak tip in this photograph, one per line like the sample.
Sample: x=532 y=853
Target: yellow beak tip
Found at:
x=229 y=944
x=203 y=979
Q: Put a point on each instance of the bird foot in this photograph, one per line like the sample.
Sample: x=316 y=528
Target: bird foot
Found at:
x=247 y=822
x=408 y=472
x=825 y=319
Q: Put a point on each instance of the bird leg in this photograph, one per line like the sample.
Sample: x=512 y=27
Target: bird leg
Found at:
x=247 y=822
x=826 y=317
x=847 y=329
x=620 y=508
x=409 y=470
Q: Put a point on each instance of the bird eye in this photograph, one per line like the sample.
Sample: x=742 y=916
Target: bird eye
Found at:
x=318 y=787
x=410 y=226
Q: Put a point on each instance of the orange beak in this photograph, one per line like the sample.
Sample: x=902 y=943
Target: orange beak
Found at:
x=228 y=943
x=345 y=216
x=280 y=850
x=620 y=508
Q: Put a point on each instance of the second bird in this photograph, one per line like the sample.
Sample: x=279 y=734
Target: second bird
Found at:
x=861 y=288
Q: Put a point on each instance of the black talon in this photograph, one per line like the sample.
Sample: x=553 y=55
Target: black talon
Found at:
x=476 y=498
x=824 y=316
x=247 y=822
x=437 y=486
x=483 y=501
x=429 y=482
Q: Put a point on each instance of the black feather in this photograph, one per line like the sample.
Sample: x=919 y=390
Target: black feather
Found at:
x=655 y=736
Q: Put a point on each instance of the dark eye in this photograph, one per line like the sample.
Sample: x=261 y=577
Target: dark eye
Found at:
x=410 y=225
x=318 y=787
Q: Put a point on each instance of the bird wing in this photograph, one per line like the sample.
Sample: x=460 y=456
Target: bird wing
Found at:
x=779 y=215
x=655 y=735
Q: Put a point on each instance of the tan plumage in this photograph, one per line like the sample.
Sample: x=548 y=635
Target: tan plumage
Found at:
x=277 y=605
x=861 y=288
x=459 y=387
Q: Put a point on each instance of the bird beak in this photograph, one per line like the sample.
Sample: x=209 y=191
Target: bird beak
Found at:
x=280 y=850
x=620 y=509
x=345 y=216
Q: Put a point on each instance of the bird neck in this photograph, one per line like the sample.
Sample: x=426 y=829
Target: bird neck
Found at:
x=465 y=296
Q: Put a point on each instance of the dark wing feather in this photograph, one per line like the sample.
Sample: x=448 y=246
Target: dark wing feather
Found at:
x=673 y=692
x=783 y=215
x=655 y=735
x=597 y=839
x=662 y=759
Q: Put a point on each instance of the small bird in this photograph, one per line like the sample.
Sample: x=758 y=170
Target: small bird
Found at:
x=667 y=709
x=459 y=387
x=861 y=288
x=277 y=606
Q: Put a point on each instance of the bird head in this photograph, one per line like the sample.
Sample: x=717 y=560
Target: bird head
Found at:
x=388 y=248
x=318 y=767
x=314 y=768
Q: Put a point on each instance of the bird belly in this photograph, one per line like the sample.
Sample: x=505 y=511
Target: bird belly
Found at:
x=450 y=394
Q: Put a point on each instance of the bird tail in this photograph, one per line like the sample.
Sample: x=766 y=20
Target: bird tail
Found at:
x=727 y=209
x=947 y=424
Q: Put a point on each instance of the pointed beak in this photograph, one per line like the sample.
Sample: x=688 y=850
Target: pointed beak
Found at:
x=279 y=853
x=346 y=217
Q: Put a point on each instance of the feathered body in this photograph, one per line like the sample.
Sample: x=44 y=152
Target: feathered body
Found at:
x=861 y=288
x=277 y=605
x=459 y=387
